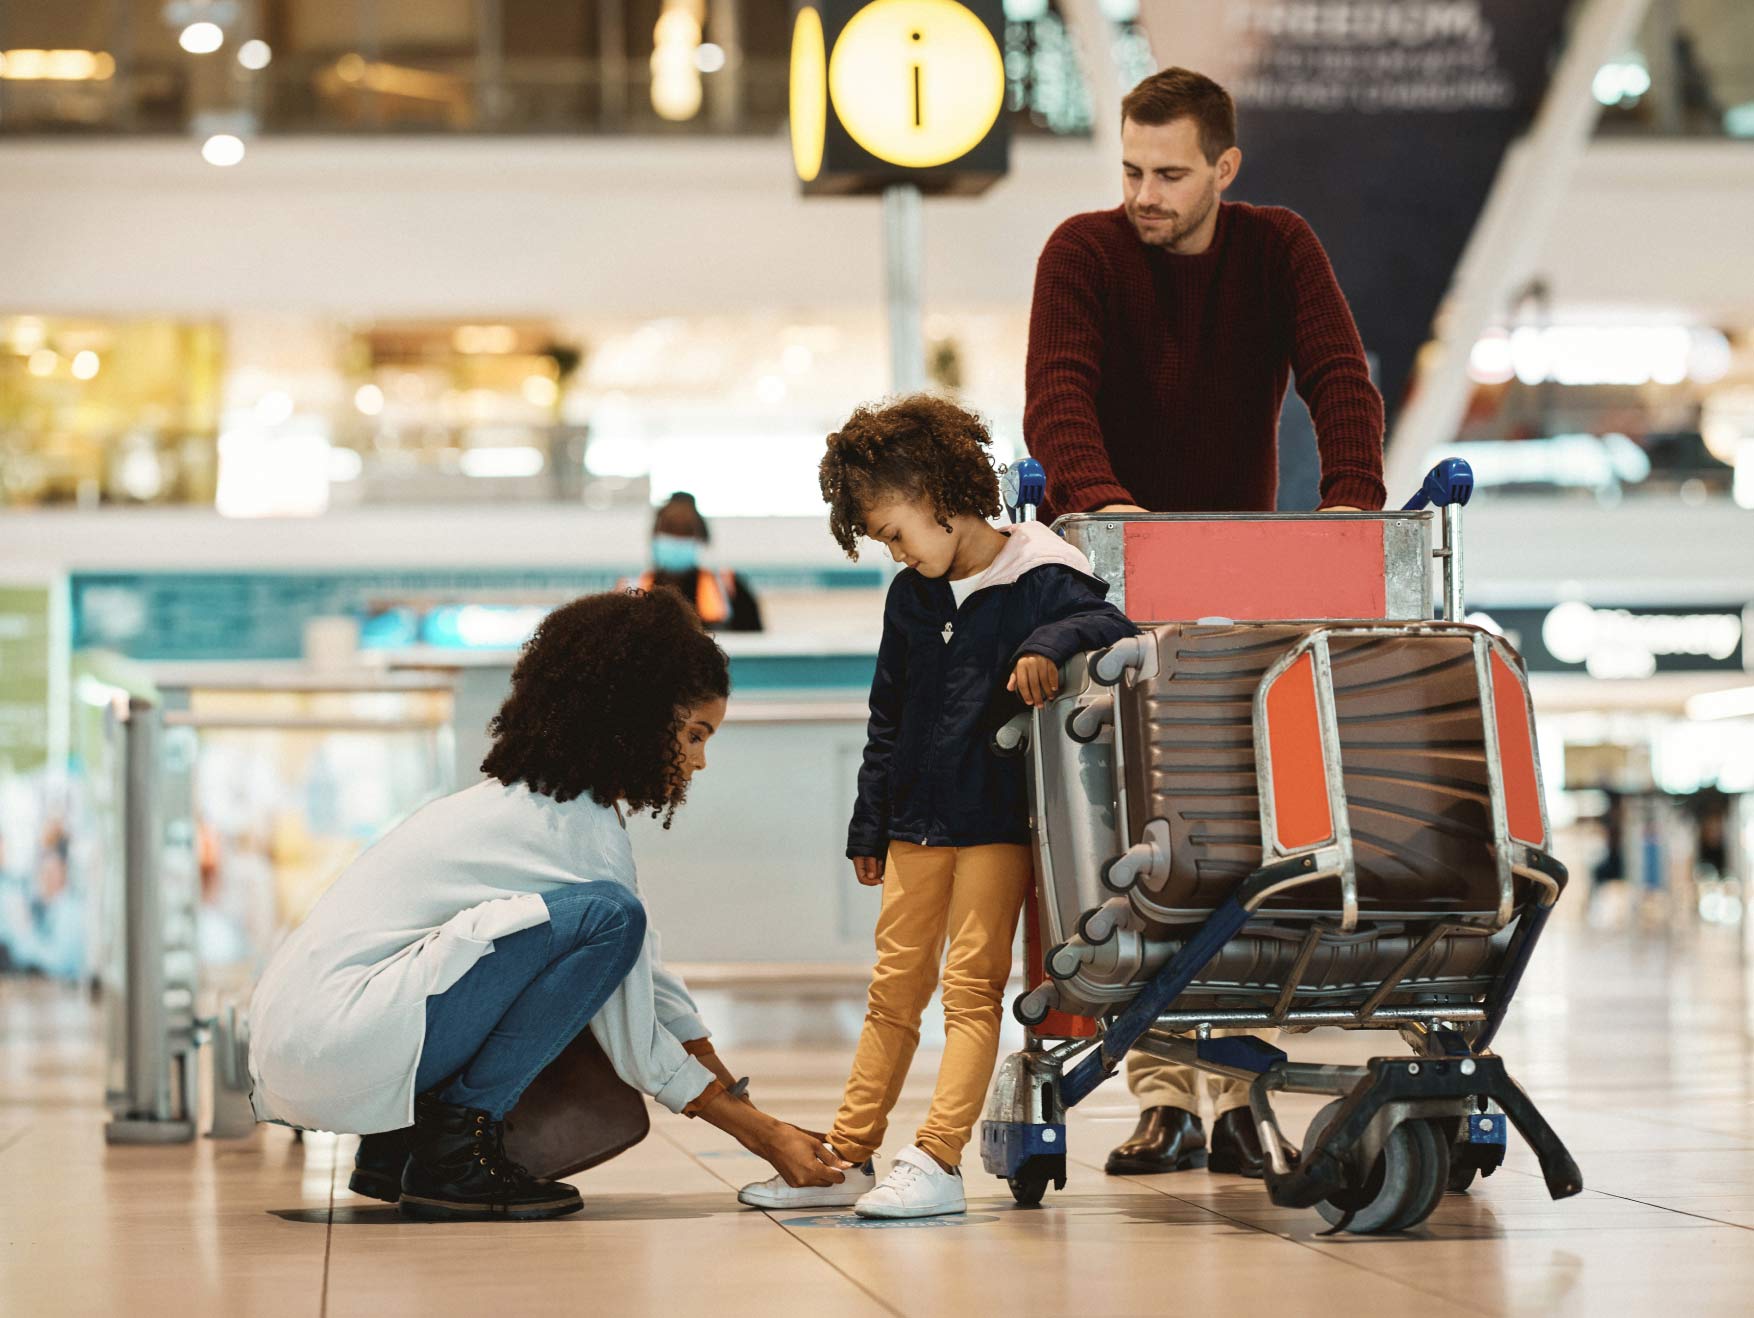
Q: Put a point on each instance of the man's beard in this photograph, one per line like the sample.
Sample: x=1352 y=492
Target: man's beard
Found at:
x=1179 y=226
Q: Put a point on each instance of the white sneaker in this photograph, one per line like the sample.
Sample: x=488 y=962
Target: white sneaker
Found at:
x=775 y=1193
x=915 y=1187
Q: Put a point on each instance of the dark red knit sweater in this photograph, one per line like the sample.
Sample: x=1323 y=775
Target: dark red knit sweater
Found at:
x=1157 y=379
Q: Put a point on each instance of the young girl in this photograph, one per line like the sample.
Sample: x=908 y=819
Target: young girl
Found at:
x=384 y=1008
x=980 y=620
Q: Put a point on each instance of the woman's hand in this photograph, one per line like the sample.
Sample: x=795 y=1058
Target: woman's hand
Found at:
x=798 y=1156
x=1036 y=678
x=802 y=1158
x=868 y=869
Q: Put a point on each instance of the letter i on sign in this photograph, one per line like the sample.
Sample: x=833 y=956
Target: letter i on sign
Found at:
x=919 y=107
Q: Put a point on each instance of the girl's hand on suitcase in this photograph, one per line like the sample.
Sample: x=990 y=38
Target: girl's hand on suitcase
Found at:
x=869 y=870
x=1036 y=678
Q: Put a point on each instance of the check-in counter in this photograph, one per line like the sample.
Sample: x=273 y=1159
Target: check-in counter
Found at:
x=754 y=866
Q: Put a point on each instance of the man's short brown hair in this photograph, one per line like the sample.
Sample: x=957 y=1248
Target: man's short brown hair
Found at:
x=1172 y=94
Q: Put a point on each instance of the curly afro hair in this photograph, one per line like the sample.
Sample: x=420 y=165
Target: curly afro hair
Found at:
x=919 y=447
x=598 y=700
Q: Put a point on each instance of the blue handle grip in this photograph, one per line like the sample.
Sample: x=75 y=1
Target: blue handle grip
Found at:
x=1450 y=481
x=1032 y=481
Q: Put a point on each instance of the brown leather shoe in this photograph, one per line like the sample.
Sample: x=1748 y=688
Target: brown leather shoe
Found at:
x=1168 y=1139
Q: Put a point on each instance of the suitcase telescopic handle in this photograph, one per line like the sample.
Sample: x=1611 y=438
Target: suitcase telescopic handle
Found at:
x=1448 y=486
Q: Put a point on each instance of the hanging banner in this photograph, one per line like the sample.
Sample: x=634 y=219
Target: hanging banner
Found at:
x=1381 y=122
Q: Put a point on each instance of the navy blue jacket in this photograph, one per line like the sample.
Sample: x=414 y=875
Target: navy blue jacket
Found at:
x=930 y=775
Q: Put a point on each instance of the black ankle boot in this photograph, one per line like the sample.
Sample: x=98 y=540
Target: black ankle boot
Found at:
x=1169 y=1139
x=458 y=1169
x=377 y=1167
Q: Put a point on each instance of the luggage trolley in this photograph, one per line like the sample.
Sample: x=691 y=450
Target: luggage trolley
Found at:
x=1297 y=799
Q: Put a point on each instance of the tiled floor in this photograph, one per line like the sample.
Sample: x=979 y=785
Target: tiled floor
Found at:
x=1636 y=1045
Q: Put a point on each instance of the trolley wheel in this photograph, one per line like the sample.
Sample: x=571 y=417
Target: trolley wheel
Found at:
x=1030 y=1183
x=1411 y=1169
x=1028 y=1191
x=1461 y=1176
x=1433 y=1173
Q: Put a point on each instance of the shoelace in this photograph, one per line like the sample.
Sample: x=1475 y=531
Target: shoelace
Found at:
x=905 y=1173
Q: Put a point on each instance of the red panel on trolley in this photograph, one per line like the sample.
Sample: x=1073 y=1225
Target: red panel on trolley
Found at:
x=1328 y=568
x=1301 y=816
x=1516 y=752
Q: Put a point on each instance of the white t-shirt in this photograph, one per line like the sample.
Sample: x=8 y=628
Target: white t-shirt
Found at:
x=338 y=1019
x=966 y=587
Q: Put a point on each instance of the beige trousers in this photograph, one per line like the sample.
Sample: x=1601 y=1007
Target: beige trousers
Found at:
x=1157 y=1083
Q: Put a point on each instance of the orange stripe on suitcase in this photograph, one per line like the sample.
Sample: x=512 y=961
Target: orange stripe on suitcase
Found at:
x=1301 y=817
x=1516 y=753
x=1329 y=568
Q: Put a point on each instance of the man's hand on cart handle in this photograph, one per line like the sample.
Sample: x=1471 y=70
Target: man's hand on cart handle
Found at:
x=1121 y=508
x=869 y=870
x=1036 y=678
x=1341 y=508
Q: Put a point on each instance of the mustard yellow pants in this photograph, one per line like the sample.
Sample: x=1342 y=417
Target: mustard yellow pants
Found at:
x=969 y=897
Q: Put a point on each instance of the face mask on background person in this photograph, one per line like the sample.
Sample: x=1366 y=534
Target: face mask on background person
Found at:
x=675 y=553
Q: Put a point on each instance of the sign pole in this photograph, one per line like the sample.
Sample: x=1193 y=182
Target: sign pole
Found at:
x=903 y=263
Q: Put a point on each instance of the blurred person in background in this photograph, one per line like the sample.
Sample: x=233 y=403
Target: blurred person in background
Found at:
x=679 y=540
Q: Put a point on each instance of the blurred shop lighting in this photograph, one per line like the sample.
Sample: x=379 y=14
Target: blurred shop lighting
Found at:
x=540 y=391
x=676 y=89
x=1600 y=463
x=369 y=399
x=485 y=339
x=202 y=38
x=283 y=475
x=1618 y=643
x=1026 y=11
x=709 y=58
x=223 y=150
x=510 y=461
x=85 y=365
x=345 y=465
x=1600 y=354
x=1622 y=82
x=44 y=361
x=1735 y=703
x=255 y=55
x=274 y=407
x=480 y=626
x=57 y=65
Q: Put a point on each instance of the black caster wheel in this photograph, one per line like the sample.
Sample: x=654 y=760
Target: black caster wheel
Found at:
x=1030 y=1185
x=1399 y=1190
x=1028 y=1191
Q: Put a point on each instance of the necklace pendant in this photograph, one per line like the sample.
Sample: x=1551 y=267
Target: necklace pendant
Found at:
x=949 y=631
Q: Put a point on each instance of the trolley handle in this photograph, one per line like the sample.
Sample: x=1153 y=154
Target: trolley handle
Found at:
x=1448 y=486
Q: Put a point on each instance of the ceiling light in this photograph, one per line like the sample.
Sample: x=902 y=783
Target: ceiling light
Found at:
x=254 y=55
x=85 y=365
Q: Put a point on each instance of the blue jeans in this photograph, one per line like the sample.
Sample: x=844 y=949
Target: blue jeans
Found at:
x=493 y=1031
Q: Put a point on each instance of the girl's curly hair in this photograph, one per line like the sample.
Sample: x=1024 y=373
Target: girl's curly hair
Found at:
x=598 y=700
x=919 y=447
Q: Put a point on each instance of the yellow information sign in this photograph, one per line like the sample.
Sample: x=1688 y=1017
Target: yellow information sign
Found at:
x=898 y=91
